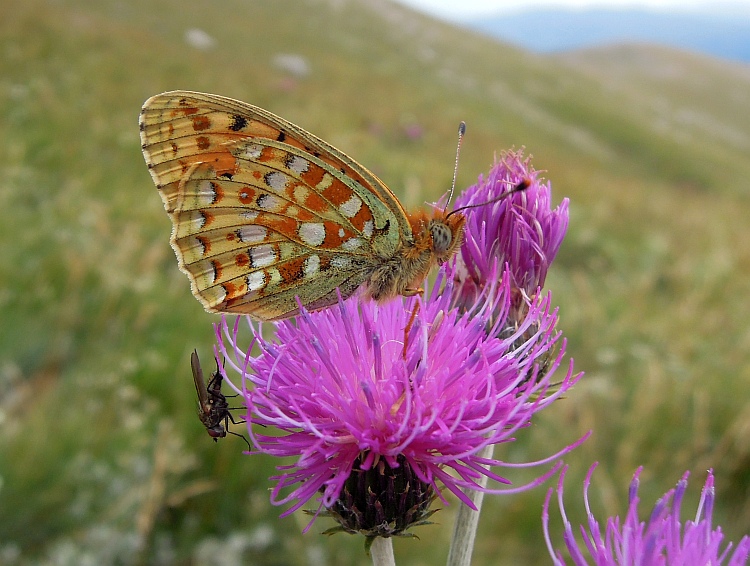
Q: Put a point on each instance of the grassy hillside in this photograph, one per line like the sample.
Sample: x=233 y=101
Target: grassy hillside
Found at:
x=101 y=456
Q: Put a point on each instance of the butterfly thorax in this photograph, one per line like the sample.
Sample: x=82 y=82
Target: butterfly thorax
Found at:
x=434 y=241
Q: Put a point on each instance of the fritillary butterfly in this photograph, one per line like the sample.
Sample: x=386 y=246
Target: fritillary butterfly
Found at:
x=264 y=212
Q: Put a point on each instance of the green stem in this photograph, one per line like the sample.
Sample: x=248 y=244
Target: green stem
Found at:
x=465 y=528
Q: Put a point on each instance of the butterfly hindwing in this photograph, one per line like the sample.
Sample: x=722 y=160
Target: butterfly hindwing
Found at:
x=262 y=211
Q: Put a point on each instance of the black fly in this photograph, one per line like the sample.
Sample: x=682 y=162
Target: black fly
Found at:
x=213 y=408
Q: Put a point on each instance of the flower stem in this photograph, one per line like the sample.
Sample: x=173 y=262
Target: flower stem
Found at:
x=465 y=528
x=381 y=552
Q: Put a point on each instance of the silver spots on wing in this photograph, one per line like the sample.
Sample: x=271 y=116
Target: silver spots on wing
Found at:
x=252 y=234
x=312 y=233
x=276 y=180
x=256 y=280
x=311 y=265
x=263 y=256
x=351 y=207
x=297 y=164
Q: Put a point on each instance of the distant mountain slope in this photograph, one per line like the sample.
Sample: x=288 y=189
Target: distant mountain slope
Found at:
x=721 y=34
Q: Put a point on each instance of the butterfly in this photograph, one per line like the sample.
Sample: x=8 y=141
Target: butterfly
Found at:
x=266 y=216
x=213 y=408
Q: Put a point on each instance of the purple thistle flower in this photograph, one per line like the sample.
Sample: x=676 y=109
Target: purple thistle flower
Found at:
x=521 y=230
x=339 y=392
x=518 y=232
x=659 y=541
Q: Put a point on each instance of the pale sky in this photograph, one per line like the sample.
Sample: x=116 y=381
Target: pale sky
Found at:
x=462 y=9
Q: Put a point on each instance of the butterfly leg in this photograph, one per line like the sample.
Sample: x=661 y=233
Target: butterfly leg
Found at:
x=412 y=318
x=411 y=292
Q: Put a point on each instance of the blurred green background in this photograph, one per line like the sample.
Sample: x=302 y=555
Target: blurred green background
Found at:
x=102 y=459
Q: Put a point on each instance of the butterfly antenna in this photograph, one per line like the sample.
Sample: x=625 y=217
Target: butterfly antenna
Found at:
x=461 y=134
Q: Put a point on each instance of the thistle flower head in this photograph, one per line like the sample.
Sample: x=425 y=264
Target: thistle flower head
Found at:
x=661 y=540
x=520 y=230
x=346 y=391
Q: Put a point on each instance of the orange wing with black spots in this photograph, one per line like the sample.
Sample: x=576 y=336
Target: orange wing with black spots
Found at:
x=264 y=212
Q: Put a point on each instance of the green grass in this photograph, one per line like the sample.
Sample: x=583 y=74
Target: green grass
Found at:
x=101 y=455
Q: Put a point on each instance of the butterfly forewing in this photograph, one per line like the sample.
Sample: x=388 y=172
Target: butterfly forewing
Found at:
x=264 y=212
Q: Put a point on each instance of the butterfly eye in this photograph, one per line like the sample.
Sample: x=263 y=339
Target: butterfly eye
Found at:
x=441 y=237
